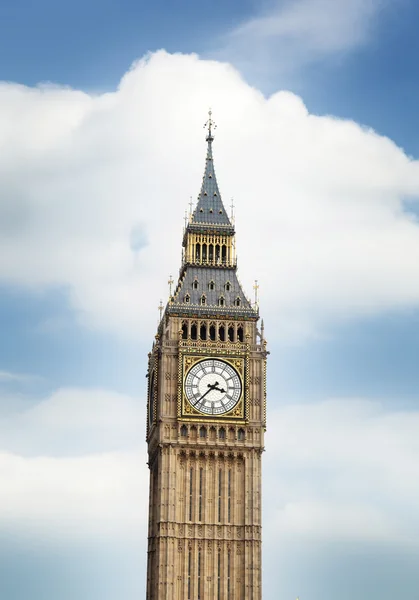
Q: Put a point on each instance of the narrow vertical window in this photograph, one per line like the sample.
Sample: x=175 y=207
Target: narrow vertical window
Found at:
x=199 y=574
x=220 y=481
x=184 y=331
x=194 y=332
x=190 y=493
x=229 y=496
x=201 y=476
x=189 y=574
x=219 y=575
x=228 y=576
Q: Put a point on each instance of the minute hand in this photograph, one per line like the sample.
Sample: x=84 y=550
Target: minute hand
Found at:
x=211 y=387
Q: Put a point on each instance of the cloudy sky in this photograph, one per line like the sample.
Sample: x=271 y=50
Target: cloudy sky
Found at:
x=102 y=107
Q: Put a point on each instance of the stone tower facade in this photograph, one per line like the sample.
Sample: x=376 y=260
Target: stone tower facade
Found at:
x=206 y=420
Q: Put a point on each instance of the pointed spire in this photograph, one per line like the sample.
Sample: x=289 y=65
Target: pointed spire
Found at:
x=210 y=208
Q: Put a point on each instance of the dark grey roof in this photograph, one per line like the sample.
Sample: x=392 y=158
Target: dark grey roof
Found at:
x=210 y=208
x=205 y=276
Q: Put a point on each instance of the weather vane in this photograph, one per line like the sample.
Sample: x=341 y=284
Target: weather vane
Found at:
x=210 y=125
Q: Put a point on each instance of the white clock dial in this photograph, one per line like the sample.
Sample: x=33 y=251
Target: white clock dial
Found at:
x=213 y=386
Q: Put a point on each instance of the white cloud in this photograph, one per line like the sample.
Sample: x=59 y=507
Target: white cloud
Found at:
x=286 y=36
x=93 y=495
x=73 y=421
x=94 y=187
x=345 y=470
x=74 y=465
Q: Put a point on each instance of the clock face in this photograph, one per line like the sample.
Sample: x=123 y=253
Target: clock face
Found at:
x=213 y=386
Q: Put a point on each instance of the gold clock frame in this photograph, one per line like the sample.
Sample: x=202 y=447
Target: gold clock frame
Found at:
x=238 y=414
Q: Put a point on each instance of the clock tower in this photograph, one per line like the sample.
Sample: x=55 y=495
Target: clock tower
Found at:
x=206 y=417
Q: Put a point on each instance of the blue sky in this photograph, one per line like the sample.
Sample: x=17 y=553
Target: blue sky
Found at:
x=82 y=165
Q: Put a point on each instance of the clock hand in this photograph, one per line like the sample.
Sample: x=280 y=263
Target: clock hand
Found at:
x=211 y=387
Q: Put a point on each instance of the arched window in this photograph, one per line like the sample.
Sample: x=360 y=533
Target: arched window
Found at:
x=204 y=252
x=212 y=433
x=203 y=332
x=198 y=252
x=240 y=333
x=187 y=298
x=238 y=301
x=222 y=333
x=195 y=284
x=211 y=285
x=183 y=431
x=223 y=254
x=203 y=299
x=184 y=331
x=231 y=434
x=212 y=332
x=202 y=432
x=227 y=286
x=194 y=332
x=221 y=301
x=217 y=253
x=231 y=334
x=222 y=433
x=240 y=435
x=211 y=252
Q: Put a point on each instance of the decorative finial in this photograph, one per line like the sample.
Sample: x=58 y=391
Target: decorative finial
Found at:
x=210 y=125
x=185 y=218
x=256 y=288
x=232 y=208
x=190 y=205
x=170 y=282
x=160 y=307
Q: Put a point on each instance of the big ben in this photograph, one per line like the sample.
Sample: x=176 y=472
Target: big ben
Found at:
x=206 y=420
